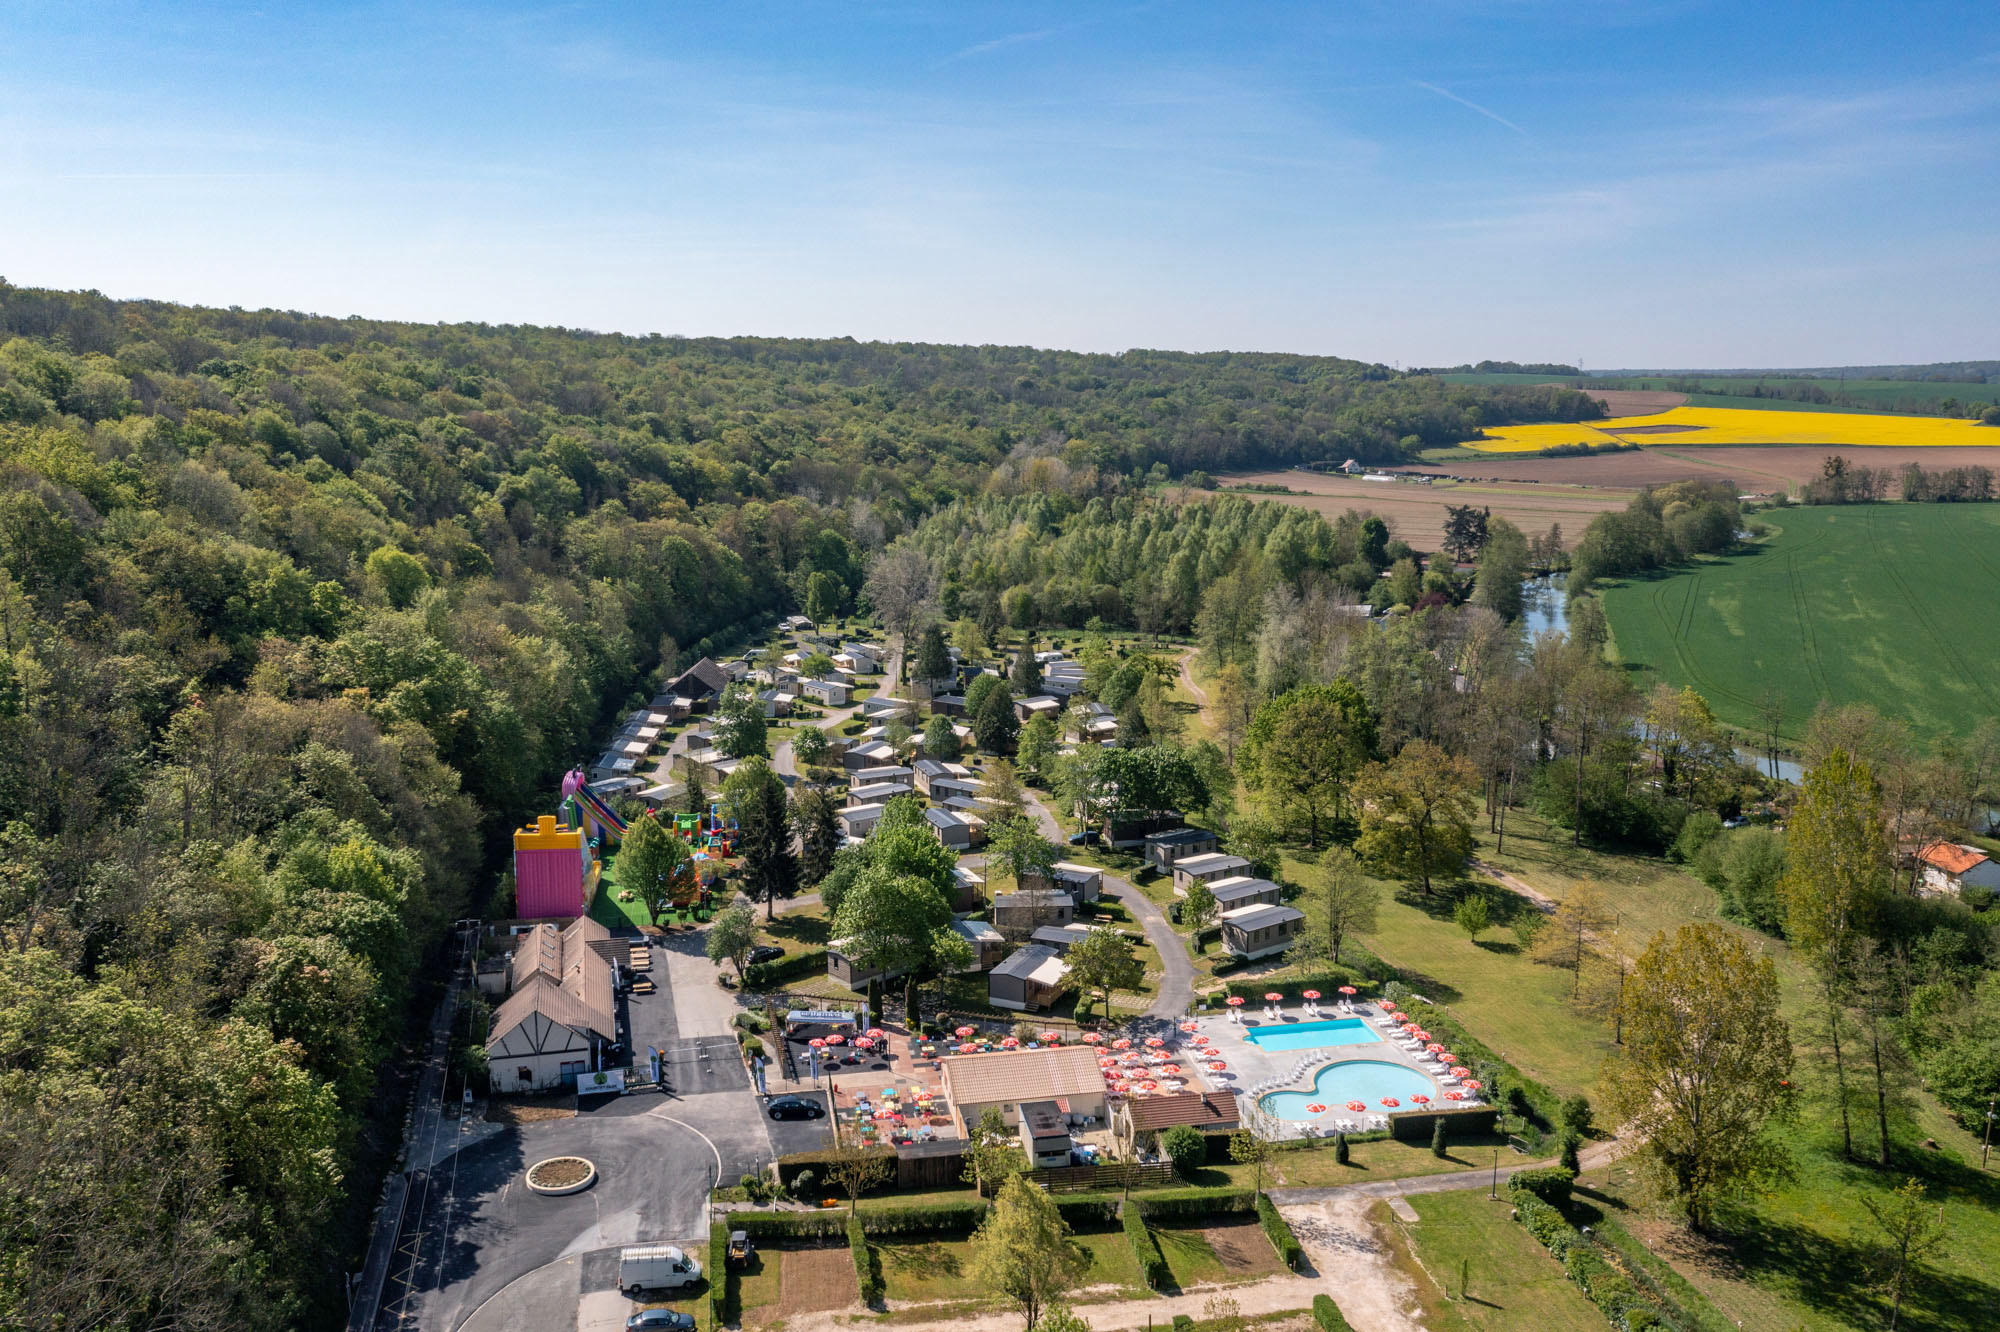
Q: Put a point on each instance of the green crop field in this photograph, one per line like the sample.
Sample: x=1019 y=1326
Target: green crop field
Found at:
x=1888 y=604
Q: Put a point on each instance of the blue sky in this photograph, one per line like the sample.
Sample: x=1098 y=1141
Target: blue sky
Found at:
x=1637 y=184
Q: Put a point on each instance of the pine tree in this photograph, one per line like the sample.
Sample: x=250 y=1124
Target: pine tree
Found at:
x=820 y=835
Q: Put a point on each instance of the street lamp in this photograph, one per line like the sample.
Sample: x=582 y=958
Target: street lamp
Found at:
x=1986 y=1143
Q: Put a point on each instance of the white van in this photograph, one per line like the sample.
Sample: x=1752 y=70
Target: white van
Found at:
x=655 y=1267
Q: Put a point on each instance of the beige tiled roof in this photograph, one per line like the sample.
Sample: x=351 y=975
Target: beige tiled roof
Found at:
x=1022 y=1075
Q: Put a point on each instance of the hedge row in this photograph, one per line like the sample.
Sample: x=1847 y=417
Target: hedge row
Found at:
x=790 y=1166
x=916 y=1218
x=1327 y=980
x=1621 y=1302
x=1087 y=1209
x=1549 y=1183
x=764 y=975
x=867 y=1271
x=1327 y=1315
x=723 y=1288
x=788 y=1225
x=1164 y=1203
x=1280 y=1232
x=1146 y=1250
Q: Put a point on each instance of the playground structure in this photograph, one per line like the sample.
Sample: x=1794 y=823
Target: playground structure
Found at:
x=554 y=871
x=583 y=808
x=710 y=832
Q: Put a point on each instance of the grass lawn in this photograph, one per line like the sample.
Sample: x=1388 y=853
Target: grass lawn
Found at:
x=796 y=930
x=607 y=910
x=1519 y=1009
x=1114 y=1272
x=1855 y=604
x=1799 y=1256
x=1192 y=1257
x=757 y=1287
x=1515 y=1283
x=928 y=1269
x=1366 y=1162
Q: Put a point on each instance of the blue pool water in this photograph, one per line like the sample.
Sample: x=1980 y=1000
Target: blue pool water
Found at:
x=1358 y=1080
x=1311 y=1035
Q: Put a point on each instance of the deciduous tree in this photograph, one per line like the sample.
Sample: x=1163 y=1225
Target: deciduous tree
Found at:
x=1417 y=812
x=1024 y=1250
x=731 y=935
x=1304 y=749
x=1103 y=962
x=1569 y=940
x=1339 y=900
x=658 y=866
x=1705 y=1069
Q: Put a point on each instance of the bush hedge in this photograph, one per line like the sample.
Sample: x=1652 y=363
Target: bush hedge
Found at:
x=1326 y=979
x=1621 y=1302
x=788 y=1225
x=918 y=1217
x=1549 y=1183
x=1146 y=1250
x=723 y=1288
x=1543 y=1108
x=1328 y=1316
x=1087 y=1209
x=867 y=1272
x=1280 y=1231
x=765 y=975
x=1161 y=1204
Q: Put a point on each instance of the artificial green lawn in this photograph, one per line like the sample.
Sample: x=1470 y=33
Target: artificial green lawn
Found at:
x=1867 y=603
x=1515 y=1283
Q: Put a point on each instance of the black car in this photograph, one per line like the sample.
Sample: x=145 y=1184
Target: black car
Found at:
x=762 y=953
x=795 y=1107
x=661 y=1320
x=1088 y=837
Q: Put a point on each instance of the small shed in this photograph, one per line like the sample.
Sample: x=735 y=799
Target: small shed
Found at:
x=1031 y=978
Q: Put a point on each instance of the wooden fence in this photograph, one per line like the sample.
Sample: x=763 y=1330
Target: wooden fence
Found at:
x=1102 y=1178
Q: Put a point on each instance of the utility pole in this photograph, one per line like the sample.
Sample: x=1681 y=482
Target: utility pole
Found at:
x=1987 y=1143
x=1618 y=959
x=1493 y=1193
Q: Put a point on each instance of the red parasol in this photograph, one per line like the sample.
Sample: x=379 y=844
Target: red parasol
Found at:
x=1092 y=1037
x=1434 y=1048
x=1149 y=1085
x=876 y=1033
x=1418 y=1098
x=1053 y=1037
x=1348 y=989
x=835 y=1039
x=1155 y=1043
x=864 y=1043
x=1190 y=1028
x=1170 y=1070
x=1010 y=1044
x=1311 y=994
x=1388 y=1005
x=1470 y=1085
x=1315 y=1109
x=1234 y=1001
x=817 y=1043
x=1107 y=1062
x=1454 y=1096
x=1274 y=997
x=1122 y=1043
x=1391 y=1102
x=1357 y=1105
x=1200 y=1040
x=1216 y=1066
x=964 y=1032
x=968 y=1048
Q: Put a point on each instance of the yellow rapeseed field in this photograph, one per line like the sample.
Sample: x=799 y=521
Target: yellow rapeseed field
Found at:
x=1741 y=425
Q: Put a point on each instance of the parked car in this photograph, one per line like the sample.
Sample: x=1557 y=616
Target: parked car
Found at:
x=762 y=953
x=1088 y=837
x=661 y=1320
x=795 y=1107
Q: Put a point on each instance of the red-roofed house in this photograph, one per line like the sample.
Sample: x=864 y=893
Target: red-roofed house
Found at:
x=1950 y=866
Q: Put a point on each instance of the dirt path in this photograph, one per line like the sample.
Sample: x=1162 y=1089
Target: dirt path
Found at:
x=1543 y=902
x=1199 y=694
x=1272 y=1295
x=1353 y=1264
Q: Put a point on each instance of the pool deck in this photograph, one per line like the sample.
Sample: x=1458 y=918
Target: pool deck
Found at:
x=1251 y=1066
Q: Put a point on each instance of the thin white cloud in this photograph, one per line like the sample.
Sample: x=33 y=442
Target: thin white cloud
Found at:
x=1001 y=43
x=1471 y=105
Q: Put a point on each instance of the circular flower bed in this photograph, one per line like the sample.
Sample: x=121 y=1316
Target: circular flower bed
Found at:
x=561 y=1175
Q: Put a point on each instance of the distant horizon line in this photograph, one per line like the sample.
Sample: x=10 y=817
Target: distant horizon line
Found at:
x=1413 y=367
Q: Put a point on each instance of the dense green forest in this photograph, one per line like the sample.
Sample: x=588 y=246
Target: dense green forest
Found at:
x=300 y=614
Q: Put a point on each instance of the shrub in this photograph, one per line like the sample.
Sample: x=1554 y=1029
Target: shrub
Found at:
x=919 y=1217
x=752 y=1022
x=1166 y=1203
x=1340 y=1148
x=1280 y=1232
x=1545 y=1223
x=866 y=1270
x=1570 y=1148
x=788 y=1225
x=1146 y=1251
x=1327 y=1315
x=1087 y=1209
x=1551 y=1184
x=1183 y=1323
x=1187 y=1147
x=1577 y=1116
x=766 y=975
x=752 y=1047
x=1437 y=1136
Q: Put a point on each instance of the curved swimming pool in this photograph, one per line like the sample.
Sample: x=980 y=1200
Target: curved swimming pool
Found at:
x=1356 y=1080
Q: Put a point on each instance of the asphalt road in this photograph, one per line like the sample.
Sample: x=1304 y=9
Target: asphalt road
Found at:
x=1176 y=970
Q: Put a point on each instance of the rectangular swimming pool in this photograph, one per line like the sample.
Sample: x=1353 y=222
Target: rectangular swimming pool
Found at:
x=1311 y=1035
